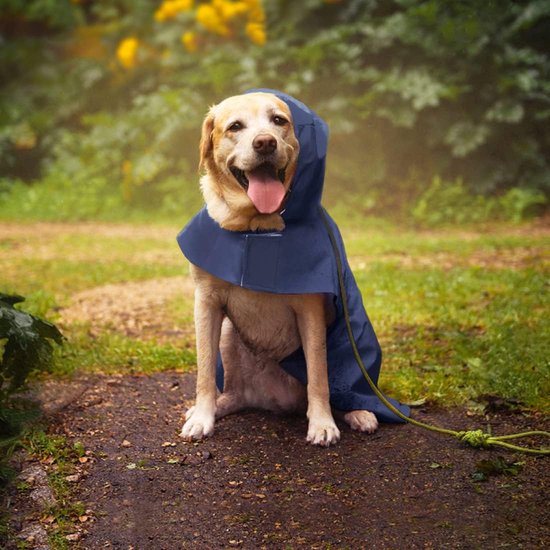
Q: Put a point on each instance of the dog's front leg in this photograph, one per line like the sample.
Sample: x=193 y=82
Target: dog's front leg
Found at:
x=208 y=321
x=322 y=429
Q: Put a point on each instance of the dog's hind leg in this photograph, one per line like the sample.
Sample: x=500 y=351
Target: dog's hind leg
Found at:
x=235 y=362
x=254 y=382
x=358 y=420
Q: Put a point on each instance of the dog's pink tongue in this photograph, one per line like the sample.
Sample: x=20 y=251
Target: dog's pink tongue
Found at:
x=266 y=192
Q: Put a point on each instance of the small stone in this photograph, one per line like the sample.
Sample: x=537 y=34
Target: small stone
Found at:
x=73 y=478
x=126 y=443
x=43 y=496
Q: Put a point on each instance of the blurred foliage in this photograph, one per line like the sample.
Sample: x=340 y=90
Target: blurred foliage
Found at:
x=101 y=101
x=452 y=203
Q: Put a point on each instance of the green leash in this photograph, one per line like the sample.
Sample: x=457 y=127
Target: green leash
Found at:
x=475 y=438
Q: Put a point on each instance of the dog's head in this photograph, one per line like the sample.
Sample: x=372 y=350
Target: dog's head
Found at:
x=249 y=151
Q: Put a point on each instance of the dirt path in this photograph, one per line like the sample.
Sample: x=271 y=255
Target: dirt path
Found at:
x=257 y=484
x=135 y=309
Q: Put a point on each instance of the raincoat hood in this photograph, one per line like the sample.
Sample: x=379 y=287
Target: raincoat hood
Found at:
x=298 y=260
x=312 y=133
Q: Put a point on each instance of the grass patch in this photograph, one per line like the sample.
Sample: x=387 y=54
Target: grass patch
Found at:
x=450 y=336
x=111 y=353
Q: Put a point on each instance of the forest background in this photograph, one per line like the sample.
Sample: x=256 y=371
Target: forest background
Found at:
x=438 y=110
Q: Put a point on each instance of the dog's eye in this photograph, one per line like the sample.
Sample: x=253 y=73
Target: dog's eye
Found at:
x=279 y=120
x=236 y=126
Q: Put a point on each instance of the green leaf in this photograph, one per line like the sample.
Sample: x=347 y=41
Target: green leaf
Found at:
x=10 y=300
x=27 y=344
x=495 y=467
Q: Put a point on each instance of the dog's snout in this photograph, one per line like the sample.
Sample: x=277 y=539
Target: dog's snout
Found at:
x=264 y=144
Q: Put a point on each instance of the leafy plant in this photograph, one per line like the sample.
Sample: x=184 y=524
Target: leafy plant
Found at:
x=445 y=202
x=454 y=203
x=26 y=344
x=518 y=204
x=26 y=347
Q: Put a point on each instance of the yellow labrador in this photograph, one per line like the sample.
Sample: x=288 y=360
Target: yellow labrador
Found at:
x=249 y=153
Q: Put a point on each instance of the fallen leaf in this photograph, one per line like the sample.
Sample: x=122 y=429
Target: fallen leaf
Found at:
x=48 y=519
x=418 y=402
x=495 y=467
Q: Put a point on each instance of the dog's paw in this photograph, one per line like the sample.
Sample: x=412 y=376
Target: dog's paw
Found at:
x=189 y=412
x=362 y=421
x=197 y=425
x=323 y=433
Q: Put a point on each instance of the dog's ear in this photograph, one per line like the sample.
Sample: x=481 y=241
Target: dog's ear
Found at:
x=206 y=146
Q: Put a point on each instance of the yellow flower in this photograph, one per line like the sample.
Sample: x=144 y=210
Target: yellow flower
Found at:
x=170 y=8
x=189 y=40
x=256 y=33
x=210 y=19
x=230 y=10
x=126 y=52
x=184 y=5
x=160 y=15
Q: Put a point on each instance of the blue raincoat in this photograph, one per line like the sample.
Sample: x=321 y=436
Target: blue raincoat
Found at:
x=298 y=260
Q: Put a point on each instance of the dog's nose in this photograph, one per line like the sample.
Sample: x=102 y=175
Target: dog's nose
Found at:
x=264 y=144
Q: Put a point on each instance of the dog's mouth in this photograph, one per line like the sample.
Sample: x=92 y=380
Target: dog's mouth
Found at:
x=264 y=185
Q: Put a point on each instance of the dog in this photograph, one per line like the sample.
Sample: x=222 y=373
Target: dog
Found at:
x=249 y=153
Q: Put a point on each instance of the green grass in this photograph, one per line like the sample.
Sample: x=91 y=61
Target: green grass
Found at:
x=460 y=312
x=454 y=335
x=112 y=353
